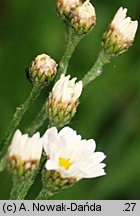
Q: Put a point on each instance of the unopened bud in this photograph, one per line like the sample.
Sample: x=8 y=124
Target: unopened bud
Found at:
x=63 y=100
x=54 y=183
x=65 y=7
x=43 y=69
x=120 y=34
x=83 y=18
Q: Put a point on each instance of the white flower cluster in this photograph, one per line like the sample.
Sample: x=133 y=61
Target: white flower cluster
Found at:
x=67 y=153
x=68 y=156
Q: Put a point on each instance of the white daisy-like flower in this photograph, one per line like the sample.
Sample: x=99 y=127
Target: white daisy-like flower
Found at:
x=63 y=100
x=124 y=25
x=120 y=34
x=25 y=151
x=84 y=17
x=71 y=156
x=43 y=69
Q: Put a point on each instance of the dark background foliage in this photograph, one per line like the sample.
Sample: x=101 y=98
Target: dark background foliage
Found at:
x=109 y=109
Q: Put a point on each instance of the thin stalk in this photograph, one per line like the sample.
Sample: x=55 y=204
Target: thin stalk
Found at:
x=97 y=68
x=21 y=187
x=3 y=163
x=16 y=188
x=20 y=111
x=72 y=41
x=25 y=187
x=44 y=194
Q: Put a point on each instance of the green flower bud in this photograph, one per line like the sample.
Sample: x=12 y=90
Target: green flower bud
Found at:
x=43 y=70
x=83 y=18
x=65 y=7
x=54 y=183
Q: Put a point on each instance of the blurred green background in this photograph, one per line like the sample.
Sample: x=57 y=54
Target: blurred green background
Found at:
x=109 y=110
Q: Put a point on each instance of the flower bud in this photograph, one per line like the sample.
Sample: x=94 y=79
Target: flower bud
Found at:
x=24 y=153
x=63 y=100
x=54 y=183
x=120 y=34
x=83 y=18
x=43 y=69
x=65 y=7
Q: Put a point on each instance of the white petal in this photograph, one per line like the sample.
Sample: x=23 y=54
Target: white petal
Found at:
x=50 y=138
x=67 y=131
x=51 y=165
x=124 y=25
x=26 y=148
x=66 y=90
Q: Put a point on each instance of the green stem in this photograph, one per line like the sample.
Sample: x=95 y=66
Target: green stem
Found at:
x=17 y=187
x=44 y=194
x=17 y=118
x=72 y=41
x=21 y=187
x=96 y=70
x=38 y=121
x=3 y=163
x=26 y=186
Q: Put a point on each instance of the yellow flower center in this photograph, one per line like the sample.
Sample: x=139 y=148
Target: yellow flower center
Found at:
x=64 y=163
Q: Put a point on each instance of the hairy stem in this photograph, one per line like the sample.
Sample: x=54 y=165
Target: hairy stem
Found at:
x=3 y=163
x=72 y=41
x=20 y=111
x=21 y=187
x=97 y=68
x=16 y=188
x=44 y=194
